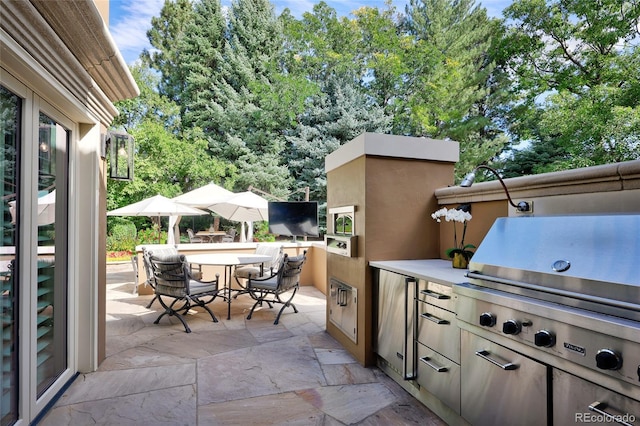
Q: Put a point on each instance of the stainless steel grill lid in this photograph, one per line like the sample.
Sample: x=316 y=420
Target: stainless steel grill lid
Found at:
x=595 y=258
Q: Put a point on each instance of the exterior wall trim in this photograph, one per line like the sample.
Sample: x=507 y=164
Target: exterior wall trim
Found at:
x=604 y=178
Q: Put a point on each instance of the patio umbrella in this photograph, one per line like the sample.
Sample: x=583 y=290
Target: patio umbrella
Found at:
x=242 y=207
x=204 y=196
x=157 y=206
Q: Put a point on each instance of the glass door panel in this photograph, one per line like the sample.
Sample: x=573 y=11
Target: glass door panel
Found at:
x=51 y=319
x=10 y=108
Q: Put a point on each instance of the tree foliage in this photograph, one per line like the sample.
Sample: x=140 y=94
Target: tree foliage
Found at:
x=243 y=96
x=578 y=80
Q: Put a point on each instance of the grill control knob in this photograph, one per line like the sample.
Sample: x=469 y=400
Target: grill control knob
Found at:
x=511 y=327
x=544 y=338
x=606 y=359
x=487 y=319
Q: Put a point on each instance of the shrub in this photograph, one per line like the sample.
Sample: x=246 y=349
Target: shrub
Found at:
x=121 y=236
x=152 y=236
x=262 y=234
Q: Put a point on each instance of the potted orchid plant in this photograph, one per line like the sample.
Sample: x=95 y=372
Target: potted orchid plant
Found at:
x=460 y=253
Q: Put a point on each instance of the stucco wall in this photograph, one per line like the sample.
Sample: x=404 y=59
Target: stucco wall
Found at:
x=606 y=189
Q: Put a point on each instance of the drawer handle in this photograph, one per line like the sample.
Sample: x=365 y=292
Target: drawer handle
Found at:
x=434 y=294
x=599 y=407
x=485 y=355
x=439 y=369
x=435 y=319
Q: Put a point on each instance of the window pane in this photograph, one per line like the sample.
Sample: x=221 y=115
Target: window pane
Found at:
x=51 y=321
x=10 y=107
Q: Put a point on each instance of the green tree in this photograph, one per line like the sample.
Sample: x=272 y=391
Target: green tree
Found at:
x=164 y=35
x=166 y=162
x=578 y=79
x=454 y=92
x=149 y=106
x=200 y=49
x=337 y=115
x=247 y=129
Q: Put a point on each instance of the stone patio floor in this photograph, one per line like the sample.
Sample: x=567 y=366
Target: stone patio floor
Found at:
x=233 y=372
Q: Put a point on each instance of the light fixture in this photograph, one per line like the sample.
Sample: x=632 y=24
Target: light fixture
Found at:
x=522 y=206
x=120 y=147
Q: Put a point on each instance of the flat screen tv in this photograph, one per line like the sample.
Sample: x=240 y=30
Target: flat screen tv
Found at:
x=294 y=218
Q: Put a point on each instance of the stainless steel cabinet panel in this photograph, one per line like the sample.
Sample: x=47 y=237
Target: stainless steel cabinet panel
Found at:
x=394 y=340
x=438 y=330
x=500 y=386
x=573 y=397
x=440 y=376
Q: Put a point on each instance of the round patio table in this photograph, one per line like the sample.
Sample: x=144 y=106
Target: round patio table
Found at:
x=228 y=260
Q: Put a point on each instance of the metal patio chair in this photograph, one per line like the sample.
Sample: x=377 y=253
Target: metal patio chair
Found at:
x=173 y=280
x=276 y=252
x=270 y=288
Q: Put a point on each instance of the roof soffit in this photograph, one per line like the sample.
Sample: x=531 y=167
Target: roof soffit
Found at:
x=91 y=43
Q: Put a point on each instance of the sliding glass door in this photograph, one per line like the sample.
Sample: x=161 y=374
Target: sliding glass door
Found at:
x=34 y=285
x=10 y=108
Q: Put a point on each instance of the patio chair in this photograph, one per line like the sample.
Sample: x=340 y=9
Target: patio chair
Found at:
x=193 y=238
x=174 y=281
x=270 y=288
x=134 y=263
x=268 y=268
x=230 y=236
x=150 y=281
x=195 y=270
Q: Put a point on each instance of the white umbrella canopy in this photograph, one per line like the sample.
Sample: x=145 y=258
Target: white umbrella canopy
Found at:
x=157 y=206
x=204 y=196
x=243 y=207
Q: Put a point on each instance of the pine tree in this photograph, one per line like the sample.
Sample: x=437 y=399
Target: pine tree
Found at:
x=164 y=36
x=201 y=55
x=332 y=118
x=247 y=133
x=454 y=93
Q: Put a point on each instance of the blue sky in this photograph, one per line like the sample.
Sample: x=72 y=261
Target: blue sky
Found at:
x=129 y=20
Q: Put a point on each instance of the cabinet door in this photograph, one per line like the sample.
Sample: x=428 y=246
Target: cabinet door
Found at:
x=578 y=401
x=395 y=322
x=500 y=386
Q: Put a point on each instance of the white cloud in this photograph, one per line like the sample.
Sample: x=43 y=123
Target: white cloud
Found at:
x=129 y=22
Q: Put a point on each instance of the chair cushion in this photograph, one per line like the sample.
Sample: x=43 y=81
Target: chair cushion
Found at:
x=197 y=287
x=248 y=271
x=270 y=284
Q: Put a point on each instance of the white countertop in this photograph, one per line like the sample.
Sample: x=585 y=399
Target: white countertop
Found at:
x=436 y=270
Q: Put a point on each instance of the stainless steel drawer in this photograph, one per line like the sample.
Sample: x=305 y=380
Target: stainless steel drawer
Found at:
x=438 y=330
x=440 y=376
x=436 y=294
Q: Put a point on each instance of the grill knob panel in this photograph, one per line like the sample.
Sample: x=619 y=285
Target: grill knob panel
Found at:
x=606 y=359
x=544 y=338
x=511 y=327
x=487 y=319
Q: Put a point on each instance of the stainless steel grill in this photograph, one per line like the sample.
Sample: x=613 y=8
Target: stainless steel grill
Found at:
x=564 y=292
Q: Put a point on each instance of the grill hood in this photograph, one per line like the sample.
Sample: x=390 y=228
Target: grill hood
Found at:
x=591 y=258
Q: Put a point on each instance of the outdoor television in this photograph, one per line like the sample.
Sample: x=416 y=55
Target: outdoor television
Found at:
x=294 y=218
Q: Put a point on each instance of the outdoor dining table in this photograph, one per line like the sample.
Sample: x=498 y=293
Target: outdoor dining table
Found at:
x=211 y=235
x=229 y=261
